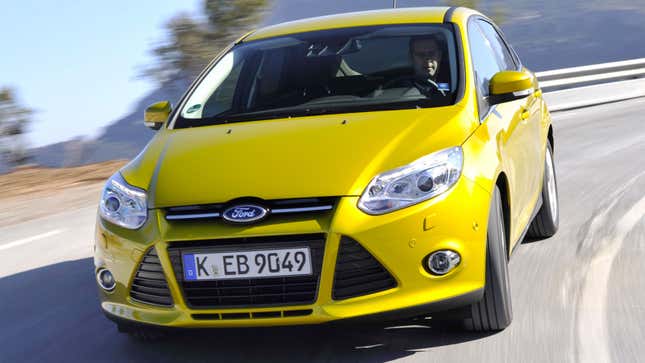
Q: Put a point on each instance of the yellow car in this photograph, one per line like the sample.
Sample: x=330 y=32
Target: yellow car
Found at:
x=364 y=166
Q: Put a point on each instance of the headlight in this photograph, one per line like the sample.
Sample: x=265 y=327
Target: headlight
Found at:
x=420 y=180
x=123 y=204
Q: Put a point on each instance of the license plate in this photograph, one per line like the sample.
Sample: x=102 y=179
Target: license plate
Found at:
x=247 y=264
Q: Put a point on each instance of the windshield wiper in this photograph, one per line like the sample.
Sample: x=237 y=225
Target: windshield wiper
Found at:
x=285 y=112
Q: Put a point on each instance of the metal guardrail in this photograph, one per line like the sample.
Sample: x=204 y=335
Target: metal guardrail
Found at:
x=593 y=74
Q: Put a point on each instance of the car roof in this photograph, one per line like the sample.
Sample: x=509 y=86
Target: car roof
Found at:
x=348 y=20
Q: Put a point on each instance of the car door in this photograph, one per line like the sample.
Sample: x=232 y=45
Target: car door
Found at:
x=504 y=120
x=531 y=108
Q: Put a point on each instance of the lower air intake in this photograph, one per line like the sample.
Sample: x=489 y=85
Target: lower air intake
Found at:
x=149 y=285
x=358 y=272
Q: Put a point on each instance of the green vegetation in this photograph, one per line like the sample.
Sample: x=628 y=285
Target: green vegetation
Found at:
x=14 y=120
x=193 y=42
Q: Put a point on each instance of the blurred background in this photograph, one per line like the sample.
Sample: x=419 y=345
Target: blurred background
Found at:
x=76 y=76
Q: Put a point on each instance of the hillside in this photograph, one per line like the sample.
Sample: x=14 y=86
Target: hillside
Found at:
x=122 y=139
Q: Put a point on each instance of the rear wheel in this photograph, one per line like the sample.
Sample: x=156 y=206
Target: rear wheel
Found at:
x=546 y=221
x=494 y=311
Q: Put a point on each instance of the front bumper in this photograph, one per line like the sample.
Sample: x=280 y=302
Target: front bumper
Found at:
x=399 y=241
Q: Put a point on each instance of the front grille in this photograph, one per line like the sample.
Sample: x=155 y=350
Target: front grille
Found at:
x=275 y=207
x=358 y=272
x=253 y=315
x=279 y=291
x=149 y=285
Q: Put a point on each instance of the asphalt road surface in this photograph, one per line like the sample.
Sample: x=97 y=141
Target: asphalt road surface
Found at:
x=577 y=297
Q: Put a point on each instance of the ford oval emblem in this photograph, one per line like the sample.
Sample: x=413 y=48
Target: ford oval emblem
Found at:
x=244 y=213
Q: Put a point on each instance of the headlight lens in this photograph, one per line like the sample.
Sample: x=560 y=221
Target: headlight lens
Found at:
x=123 y=204
x=420 y=180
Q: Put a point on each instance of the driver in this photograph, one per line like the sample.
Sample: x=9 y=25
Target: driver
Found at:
x=426 y=53
x=426 y=57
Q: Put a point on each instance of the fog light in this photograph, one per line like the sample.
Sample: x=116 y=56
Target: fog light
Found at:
x=105 y=279
x=442 y=262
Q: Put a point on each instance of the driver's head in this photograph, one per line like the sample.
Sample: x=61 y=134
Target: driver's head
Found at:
x=426 y=52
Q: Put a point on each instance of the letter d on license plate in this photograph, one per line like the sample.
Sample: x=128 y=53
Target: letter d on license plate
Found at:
x=247 y=264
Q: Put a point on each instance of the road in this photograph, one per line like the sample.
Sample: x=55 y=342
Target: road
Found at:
x=577 y=297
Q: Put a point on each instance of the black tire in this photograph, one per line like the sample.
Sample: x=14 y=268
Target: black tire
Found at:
x=547 y=220
x=494 y=311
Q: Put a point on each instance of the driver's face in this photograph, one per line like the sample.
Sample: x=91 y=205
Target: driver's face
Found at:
x=426 y=56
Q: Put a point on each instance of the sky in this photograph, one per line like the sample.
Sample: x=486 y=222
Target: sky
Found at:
x=76 y=62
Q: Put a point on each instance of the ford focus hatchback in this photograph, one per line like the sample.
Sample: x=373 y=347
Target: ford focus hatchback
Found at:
x=366 y=166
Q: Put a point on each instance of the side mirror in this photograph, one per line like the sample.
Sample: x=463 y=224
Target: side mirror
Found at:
x=156 y=114
x=510 y=85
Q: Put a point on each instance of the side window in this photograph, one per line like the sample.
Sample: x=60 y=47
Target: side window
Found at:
x=504 y=55
x=485 y=65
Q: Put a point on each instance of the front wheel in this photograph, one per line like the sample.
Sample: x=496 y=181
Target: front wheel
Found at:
x=494 y=311
x=546 y=221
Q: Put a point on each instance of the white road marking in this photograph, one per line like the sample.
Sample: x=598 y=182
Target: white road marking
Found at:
x=592 y=327
x=23 y=241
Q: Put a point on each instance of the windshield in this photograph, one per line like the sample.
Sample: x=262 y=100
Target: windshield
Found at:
x=330 y=71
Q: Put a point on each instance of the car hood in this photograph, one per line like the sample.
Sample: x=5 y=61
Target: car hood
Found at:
x=314 y=156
